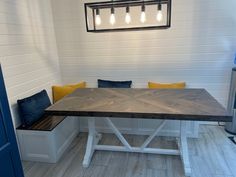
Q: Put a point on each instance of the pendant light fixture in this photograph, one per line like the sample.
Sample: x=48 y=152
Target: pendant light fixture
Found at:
x=112 y=17
x=159 y=13
x=143 y=14
x=94 y=21
x=98 y=18
x=127 y=16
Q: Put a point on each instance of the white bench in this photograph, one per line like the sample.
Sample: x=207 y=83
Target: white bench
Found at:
x=47 y=139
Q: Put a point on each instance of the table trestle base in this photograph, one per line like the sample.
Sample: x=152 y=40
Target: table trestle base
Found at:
x=137 y=149
x=183 y=146
x=94 y=137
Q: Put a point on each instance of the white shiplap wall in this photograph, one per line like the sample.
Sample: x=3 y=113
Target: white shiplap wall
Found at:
x=199 y=47
x=28 y=51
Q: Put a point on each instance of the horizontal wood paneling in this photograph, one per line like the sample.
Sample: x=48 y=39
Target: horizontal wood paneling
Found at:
x=199 y=48
x=28 y=51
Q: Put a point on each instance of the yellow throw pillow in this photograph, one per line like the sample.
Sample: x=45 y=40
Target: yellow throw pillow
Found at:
x=59 y=92
x=177 y=85
x=79 y=85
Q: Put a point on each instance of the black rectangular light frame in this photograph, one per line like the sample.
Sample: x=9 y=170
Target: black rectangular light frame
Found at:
x=125 y=3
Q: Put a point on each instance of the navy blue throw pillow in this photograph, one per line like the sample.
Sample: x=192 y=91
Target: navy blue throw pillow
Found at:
x=113 y=84
x=32 y=108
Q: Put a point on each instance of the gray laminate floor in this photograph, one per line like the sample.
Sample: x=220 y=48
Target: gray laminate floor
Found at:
x=212 y=155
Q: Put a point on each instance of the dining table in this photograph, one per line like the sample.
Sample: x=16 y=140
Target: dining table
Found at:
x=184 y=105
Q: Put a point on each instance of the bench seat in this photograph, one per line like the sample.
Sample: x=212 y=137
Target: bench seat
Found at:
x=46 y=123
x=47 y=139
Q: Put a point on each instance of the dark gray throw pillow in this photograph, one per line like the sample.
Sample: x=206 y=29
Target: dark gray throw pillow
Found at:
x=114 y=84
x=32 y=108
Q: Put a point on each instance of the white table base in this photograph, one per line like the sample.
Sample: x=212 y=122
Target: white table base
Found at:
x=94 y=137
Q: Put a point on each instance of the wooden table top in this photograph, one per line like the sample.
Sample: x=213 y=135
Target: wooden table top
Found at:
x=173 y=104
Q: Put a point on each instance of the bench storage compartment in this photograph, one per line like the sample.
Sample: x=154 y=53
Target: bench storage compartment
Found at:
x=47 y=140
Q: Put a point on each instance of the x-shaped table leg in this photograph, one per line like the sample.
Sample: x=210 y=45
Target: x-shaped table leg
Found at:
x=184 y=148
x=93 y=139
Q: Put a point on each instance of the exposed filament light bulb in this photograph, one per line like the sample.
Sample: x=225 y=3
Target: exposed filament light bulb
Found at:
x=98 y=20
x=112 y=17
x=143 y=15
x=159 y=13
x=127 y=16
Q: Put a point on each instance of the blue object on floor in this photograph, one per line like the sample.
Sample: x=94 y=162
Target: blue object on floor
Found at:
x=235 y=59
x=232 y=138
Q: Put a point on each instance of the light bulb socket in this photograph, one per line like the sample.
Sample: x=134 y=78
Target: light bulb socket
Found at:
x=97 y=12
x=143 y=8
x=112 y=10
x=127 y=9
x=159 y=7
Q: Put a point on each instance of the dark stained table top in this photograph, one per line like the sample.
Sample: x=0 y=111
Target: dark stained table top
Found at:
x=174 y=104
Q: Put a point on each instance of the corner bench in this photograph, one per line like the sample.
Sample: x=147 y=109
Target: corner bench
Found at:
x=47 y=139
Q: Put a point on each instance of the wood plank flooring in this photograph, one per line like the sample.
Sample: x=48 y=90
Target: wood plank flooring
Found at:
x=212 y=155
